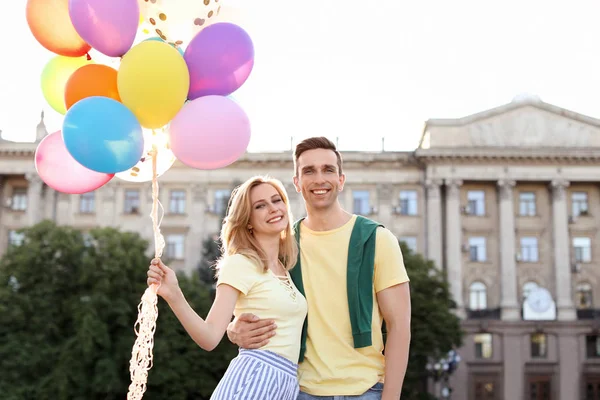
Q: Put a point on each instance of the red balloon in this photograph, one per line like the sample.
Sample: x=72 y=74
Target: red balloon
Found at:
x=51 y=25
x=59 y=170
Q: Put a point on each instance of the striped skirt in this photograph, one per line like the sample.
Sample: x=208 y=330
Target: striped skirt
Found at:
x=258 y=374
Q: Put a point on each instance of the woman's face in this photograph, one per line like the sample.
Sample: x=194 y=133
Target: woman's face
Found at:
x=269 y=212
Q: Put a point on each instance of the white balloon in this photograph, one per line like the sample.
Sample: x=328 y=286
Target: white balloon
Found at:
x=142 y=171
x=178 y=21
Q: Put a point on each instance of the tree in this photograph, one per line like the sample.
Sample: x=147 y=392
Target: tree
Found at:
x=435 y=328
x=67 y=310
x=211 y=251
x=211 y=246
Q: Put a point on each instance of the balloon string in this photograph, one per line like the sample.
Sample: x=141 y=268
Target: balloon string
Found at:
x=159 y=241
x=145 y=326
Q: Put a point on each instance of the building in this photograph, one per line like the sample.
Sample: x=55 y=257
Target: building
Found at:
x=507 y=201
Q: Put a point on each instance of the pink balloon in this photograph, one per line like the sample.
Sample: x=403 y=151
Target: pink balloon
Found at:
x=59 y=170
x=109 y=26
x=209 y=132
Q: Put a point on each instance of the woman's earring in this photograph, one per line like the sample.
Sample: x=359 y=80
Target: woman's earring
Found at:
x=250 y=228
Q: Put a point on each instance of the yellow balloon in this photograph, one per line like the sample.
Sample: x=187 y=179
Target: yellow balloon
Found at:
x=55 y=76
x=153 y=82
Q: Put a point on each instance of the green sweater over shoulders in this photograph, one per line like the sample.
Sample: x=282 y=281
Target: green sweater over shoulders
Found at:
x=359 y=281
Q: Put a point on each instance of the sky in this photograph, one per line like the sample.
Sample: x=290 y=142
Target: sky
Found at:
x=362 y=70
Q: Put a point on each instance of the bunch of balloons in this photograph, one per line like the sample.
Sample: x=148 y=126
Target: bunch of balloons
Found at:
x=168 y=93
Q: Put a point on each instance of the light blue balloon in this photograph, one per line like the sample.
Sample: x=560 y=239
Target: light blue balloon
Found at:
x=103 y=135
x=160 y=40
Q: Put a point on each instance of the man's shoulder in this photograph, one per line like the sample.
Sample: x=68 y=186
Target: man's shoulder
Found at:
x=368 y=221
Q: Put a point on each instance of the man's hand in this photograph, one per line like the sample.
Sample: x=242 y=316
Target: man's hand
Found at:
x=250 y=332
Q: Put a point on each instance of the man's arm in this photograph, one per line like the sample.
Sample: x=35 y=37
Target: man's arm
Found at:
x=250 y=332
x=394 y=303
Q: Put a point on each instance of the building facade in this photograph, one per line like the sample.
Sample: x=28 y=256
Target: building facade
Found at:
x=507 y=201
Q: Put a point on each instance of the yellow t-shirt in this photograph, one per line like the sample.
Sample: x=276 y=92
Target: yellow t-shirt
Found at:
x=267 y=296
x=332 y=366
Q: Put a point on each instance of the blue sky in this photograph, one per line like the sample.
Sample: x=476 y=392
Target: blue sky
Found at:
x=361 y=70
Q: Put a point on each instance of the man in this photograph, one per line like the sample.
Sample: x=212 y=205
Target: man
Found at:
x=352 y=273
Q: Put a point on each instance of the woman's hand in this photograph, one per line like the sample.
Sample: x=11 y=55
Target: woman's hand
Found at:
x=160 y=274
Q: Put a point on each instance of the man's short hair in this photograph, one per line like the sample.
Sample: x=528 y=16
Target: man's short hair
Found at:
x=316 y=143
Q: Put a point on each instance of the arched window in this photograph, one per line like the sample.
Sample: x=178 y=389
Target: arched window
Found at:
x=584 y=296
x=477 y=296
x=527 y=288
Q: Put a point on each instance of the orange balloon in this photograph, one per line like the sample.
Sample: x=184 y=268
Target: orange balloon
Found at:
x=51 y=25
x=91 y=80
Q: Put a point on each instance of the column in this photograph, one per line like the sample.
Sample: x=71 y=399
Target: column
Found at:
x=514 y=365
x=434 y=221
x=196 y=204
x=3 y=230
x=106 y=204
x=383 y=202
x=50 y=204
x=64 y=213
x=561 y=243
x=454 y=242
x=569 y=366
x=34 y=198
x=508 y=267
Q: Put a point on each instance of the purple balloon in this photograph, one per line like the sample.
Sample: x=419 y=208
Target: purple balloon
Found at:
x=109 y=26
x=220 y=58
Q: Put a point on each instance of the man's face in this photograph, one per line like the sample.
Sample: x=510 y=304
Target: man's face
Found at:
x=318 y=178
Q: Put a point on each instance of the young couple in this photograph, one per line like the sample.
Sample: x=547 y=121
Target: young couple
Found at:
x=309 y=299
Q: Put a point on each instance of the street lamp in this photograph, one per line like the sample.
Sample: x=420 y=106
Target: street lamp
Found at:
x=441 y=370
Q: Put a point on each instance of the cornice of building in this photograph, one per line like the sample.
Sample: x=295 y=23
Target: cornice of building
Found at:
x=515 y=154
x=389 y=159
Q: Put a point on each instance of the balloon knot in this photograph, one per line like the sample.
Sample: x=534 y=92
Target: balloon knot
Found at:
x=89 y=58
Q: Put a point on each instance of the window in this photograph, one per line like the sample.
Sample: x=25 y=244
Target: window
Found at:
x=592 y=346
x=177 y=202
x=483 y=345
x=584 y=296
x=361 y=202
x=579 y=203
x=539 y=387
x=19 y=199
x=408 y=202
x=528 y=287
x=221 y=201
x=175 y=247
x=485 y=387
x=592 y=387
x=582 y=247
x=539 y=345
x=87 y=203
x=477 y=296
x=476 y=202
x=15 y=238
x=477 y=249
x=411 y=242
x=529 y=249
x=527 y=204
x=132 y=201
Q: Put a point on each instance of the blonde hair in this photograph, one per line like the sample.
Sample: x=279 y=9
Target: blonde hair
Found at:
x=235 y=236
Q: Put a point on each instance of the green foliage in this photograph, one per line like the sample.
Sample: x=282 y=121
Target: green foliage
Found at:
x=67 y=310
x=211 y=251
x=435 y=328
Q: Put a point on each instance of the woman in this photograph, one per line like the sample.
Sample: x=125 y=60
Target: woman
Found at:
x=258 y=251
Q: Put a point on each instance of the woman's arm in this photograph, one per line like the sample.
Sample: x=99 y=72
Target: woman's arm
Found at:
x=207 y=334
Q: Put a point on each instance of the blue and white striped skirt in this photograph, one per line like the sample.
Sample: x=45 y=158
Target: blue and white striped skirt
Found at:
x=258 y=374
